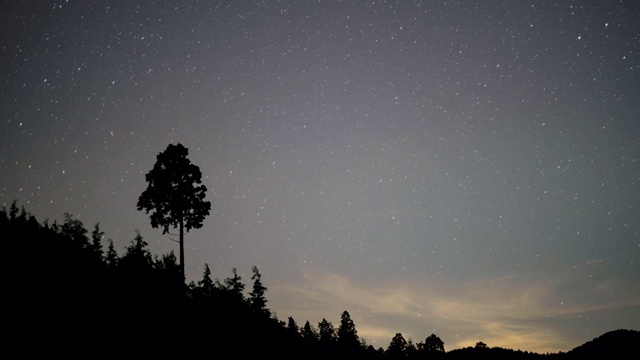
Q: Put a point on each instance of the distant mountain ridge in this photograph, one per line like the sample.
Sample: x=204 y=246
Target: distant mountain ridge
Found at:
x=611 y=345
x=617 y=344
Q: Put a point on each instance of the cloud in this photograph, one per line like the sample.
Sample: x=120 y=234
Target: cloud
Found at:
x=518 y=312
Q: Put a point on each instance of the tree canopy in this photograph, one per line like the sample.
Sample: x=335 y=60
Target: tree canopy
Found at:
x=326 y=331
x=257 y=298
x=97 y=296
x=432 y=344
x=398 y=345
x=174 y=195
x=347 y=333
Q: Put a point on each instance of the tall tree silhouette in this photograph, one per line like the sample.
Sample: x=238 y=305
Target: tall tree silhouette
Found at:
x=111 y=256
x=96 y=241
x=206 y=285
x=137 y=256
x=235 y=286
x=174 y=196
x=347 y=334
x=257 y=300
x=432 y=344
x=327 y=332
x=398 y=346
x=292 y=326
x=74 y=229
x=309 y=333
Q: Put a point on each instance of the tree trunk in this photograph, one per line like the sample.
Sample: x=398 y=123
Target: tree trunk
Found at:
x=184 y=279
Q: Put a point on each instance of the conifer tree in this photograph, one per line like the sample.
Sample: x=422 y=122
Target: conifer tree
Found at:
x=174 y=196
x=309 y=333
x=206 y=284
x=326 y=331
x=235 y=286
x=74 y=229
x=137 y=255
x=347 y=333
x=397 y=346
x=292 y=326
x=96 y=241
x=257 y=298
x=111 y=257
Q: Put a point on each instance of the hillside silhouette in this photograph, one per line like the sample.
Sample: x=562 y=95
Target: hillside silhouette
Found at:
x=613 y=345
x=69 y=293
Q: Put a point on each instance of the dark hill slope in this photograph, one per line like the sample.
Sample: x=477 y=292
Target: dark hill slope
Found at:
x=617 y=344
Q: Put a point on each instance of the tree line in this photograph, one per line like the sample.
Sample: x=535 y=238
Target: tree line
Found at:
x=69 y=293
x=62 y=275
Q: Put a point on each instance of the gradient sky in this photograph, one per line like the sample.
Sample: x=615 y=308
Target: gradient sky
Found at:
x=465 y=169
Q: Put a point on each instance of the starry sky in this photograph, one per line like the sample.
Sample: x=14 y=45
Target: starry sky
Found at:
x=469 y=169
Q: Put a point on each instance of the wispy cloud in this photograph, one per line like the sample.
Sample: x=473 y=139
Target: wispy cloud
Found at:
x=511 y=311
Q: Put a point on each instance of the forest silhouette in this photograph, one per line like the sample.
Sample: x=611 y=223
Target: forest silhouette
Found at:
x=71 y=296
x=68 y=293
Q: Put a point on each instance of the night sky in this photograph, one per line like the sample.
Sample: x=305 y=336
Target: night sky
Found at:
x=465 y=169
